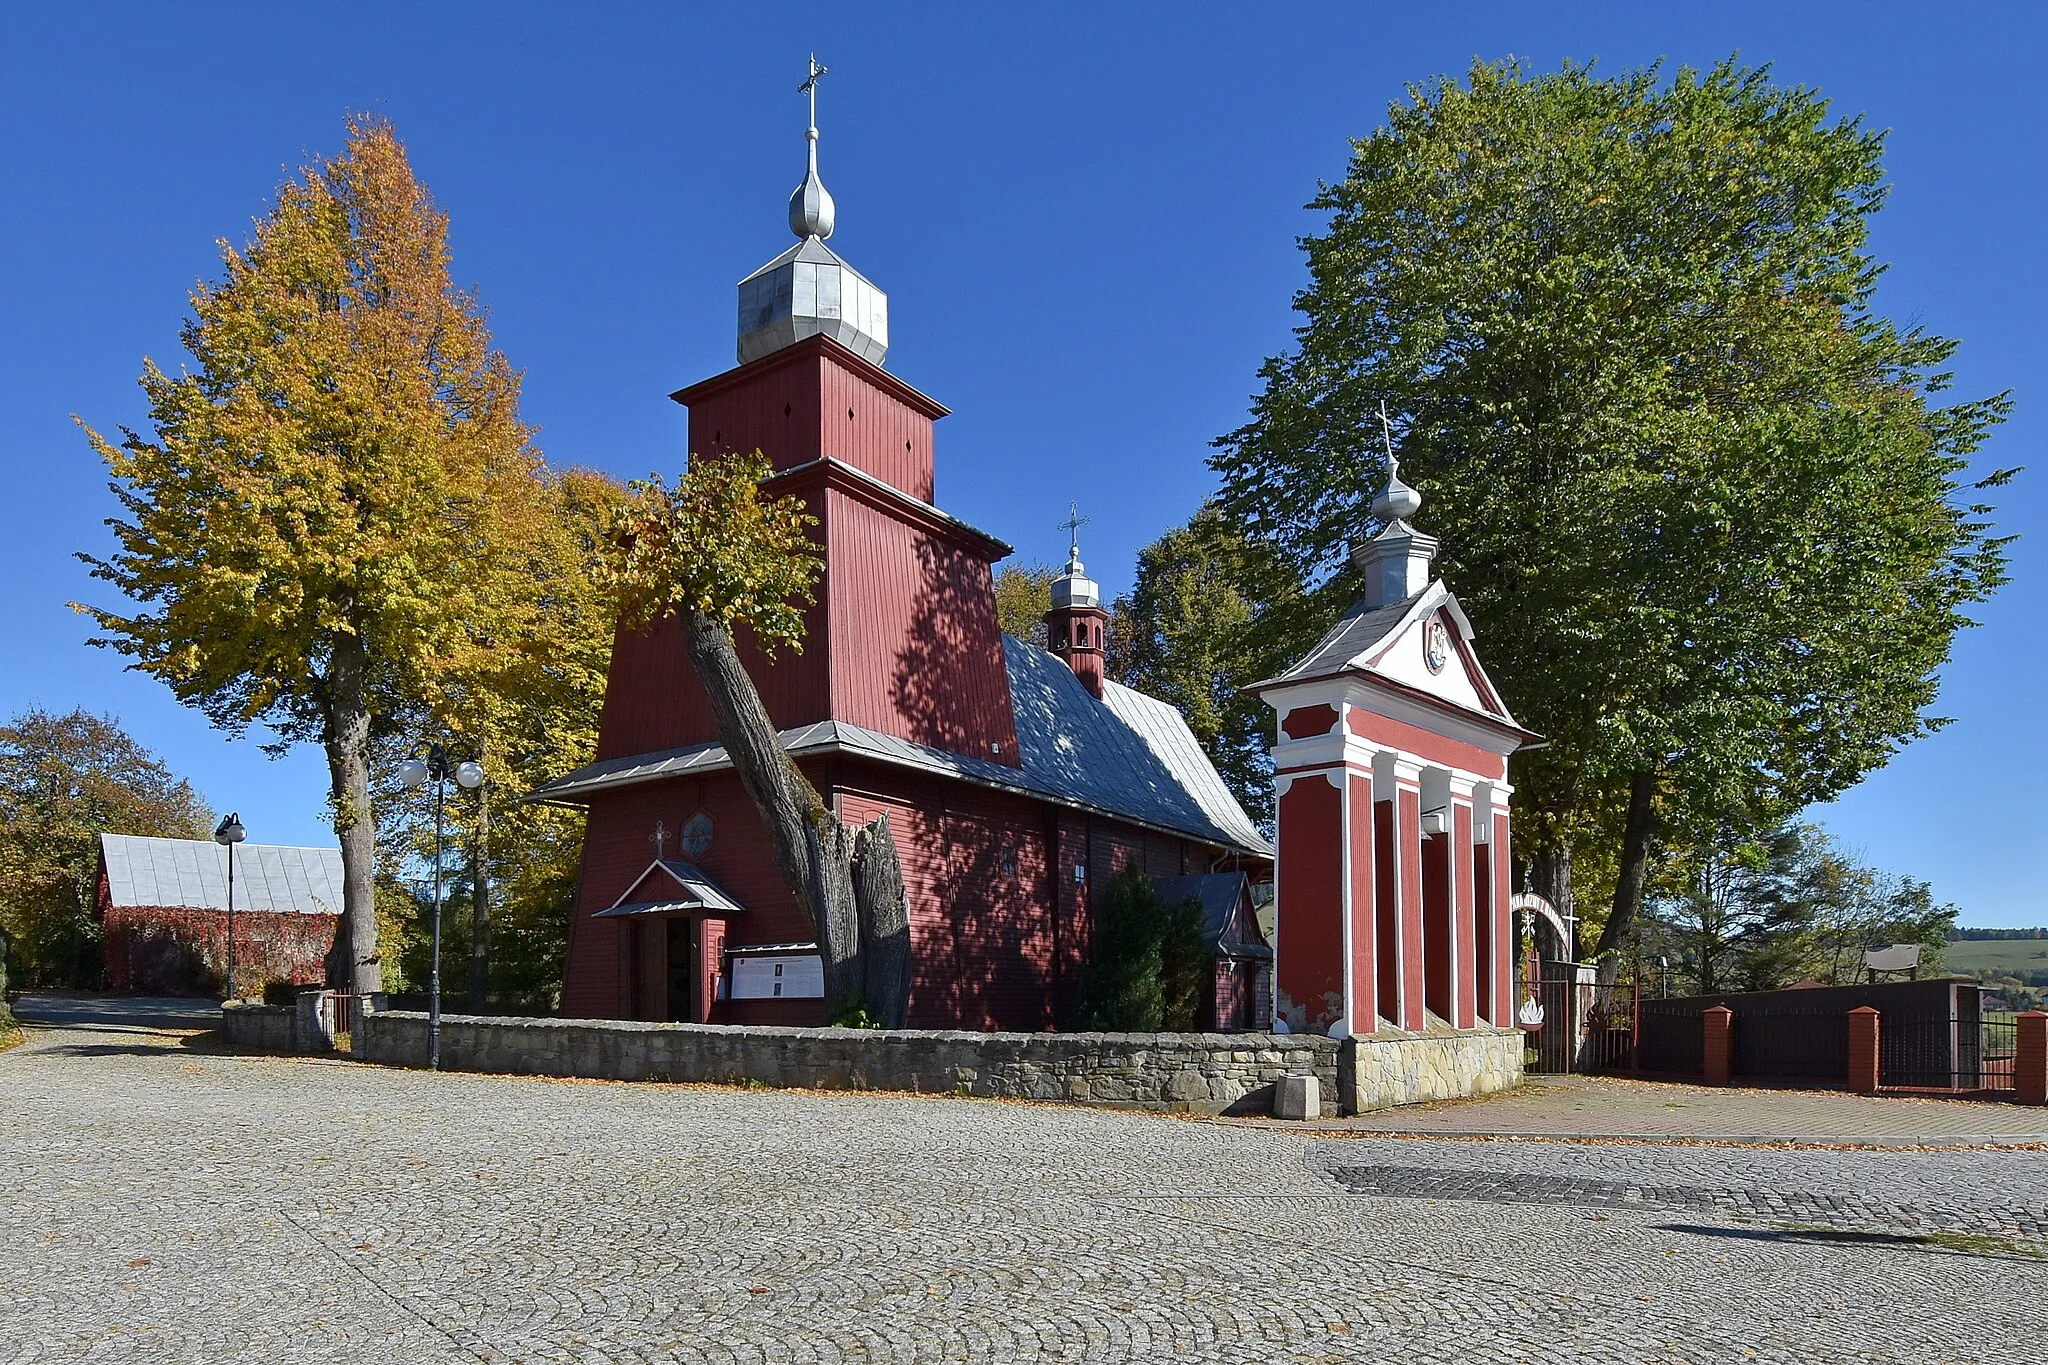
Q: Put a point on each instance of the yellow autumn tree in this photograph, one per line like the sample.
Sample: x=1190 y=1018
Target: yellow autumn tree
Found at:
x=521 y=693
x=318 y=516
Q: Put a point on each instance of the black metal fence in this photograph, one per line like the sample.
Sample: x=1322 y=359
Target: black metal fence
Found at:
x=1803 y=1034
x=1960 y=1052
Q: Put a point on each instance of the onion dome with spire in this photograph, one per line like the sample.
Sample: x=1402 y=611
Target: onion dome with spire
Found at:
x=1396 y=562
x=808 y=290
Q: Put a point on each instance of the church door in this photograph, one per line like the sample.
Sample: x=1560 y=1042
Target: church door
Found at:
x=682 y=970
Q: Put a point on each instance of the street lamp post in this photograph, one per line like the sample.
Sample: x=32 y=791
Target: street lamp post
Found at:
x=415 y=773
x=228 y=835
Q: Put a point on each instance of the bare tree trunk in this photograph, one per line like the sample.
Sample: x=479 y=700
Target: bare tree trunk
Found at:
x=347 y=742
x=1550 y=876
x=1632 y=878
x=884 y=923
x=828 y=865
x=480 y=919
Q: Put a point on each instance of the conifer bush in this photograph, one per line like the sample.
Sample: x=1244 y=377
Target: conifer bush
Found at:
x=1149 y=962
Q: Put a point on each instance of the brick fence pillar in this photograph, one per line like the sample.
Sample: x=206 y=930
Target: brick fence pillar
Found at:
x=1863 y=1050
x=2030 y=1059
x=1716 y=1023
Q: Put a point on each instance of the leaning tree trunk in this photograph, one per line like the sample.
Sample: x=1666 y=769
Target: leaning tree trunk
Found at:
x=1633 y=875
x=848 y=880
x=347 y=740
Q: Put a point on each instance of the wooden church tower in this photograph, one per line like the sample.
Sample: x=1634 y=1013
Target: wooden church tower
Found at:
x=1017 y=780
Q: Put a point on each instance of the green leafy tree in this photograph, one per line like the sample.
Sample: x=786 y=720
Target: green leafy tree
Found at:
x=716 y=555
x=1186 y=967
x=316 y=519
x=1761 y=911
x=1196 y=628
x=1705 y=505
x=1023 y=597
x=64 y=781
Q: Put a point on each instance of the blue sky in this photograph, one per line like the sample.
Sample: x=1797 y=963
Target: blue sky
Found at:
x=1084 y=217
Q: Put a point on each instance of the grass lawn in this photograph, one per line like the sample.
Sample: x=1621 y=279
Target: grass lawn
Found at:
x=2004 y=956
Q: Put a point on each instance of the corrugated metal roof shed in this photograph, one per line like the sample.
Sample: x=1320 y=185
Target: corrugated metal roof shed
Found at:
x=193 y=873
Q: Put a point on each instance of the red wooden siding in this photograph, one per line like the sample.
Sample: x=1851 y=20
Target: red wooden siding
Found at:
x=915 y=647
x=1000 y=931
x=816 y=399
x=617 y=848
x=653 y=700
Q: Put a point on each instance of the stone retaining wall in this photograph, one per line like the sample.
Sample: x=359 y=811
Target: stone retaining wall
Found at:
x=298 y=1027
x=1205 y=1073
x=265 y=1028
x=1384 y=1070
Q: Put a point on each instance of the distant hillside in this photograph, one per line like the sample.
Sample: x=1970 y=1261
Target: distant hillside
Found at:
x=1993 y=935
x=2023 y=958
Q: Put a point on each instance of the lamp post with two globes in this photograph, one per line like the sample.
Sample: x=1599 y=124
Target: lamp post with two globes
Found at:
x=436 y=766
x=228 y=835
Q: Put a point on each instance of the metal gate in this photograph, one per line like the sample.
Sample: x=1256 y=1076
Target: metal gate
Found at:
x=1586 y=1028
x=1955 y=1054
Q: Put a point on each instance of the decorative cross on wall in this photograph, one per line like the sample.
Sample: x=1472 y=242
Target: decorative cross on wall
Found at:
x=659 y=839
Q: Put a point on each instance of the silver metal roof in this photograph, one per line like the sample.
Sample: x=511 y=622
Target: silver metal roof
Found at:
x=808 y=290
x=1347 y=644
x=1219 y=894
x=692 y=890
x=1128 y=756
x=193 y=873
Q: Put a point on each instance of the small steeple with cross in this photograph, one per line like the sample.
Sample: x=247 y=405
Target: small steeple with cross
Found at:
x=1072 y=525
x=1075 y=627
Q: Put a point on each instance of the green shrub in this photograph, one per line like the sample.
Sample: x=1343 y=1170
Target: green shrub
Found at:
x=1150 y=966
x=856 y=1016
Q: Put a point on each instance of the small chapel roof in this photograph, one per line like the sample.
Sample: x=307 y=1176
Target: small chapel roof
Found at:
x=1360 y=641
x=1220 y=895
x=1128 y=756
x=685 y=888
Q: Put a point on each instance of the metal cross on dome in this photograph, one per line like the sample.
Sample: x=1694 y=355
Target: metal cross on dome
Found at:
x=810 y=87
x=1072 y=526
x=1387 y=433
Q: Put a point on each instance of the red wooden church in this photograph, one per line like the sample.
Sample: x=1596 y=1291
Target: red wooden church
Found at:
x=1017 y=779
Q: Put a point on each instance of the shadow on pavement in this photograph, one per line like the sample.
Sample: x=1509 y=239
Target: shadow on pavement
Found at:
x=1990 y=1248
x=142 y=1014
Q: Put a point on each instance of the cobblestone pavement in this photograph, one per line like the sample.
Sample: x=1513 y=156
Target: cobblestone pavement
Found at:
x=162 y=1202
x=1603 y=1106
